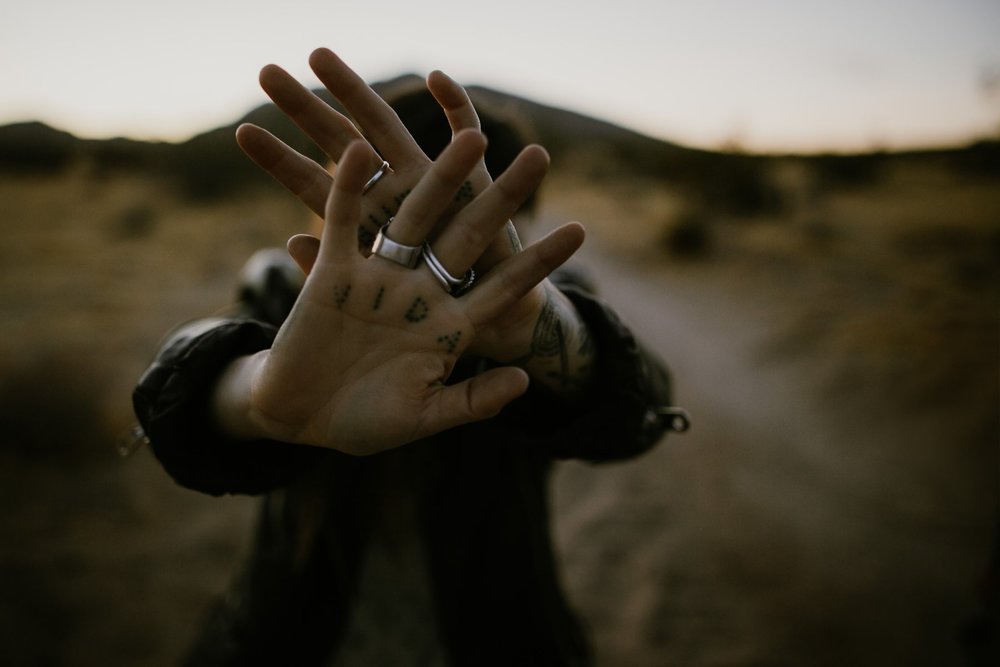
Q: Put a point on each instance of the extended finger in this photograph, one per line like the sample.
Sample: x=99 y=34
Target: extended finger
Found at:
x=373 y=115
x=454 y=101
x=511 y=280
x=477 y=398
x=331 y=130
x=301 y=176
x=304 y=248
x=474 y=228
x=438 y=188
x=343 y=208
x=461 y=115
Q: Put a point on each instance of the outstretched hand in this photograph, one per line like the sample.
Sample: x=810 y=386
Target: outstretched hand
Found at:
x=541 y=331
x=362 y=362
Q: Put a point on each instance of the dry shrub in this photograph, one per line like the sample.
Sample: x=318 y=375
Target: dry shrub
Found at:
x=50 y=410
x=134 y=222
x=980 y=160
x=855 y=171
x=739 y=185
x=688 y=235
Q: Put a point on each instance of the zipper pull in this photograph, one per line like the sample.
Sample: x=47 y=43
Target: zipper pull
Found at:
x=678 y=420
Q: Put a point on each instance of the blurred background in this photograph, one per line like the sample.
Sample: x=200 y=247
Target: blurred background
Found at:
x=797 y=204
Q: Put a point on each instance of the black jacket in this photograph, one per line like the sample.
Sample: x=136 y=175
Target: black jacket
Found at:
x=477 y=496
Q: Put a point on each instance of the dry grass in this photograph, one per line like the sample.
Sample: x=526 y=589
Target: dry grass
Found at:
x=902 y=275
x=886 y=291
x=98 y=270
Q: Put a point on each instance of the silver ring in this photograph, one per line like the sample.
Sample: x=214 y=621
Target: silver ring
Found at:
x=405 y=255
x=378 y=174
x=451 y=284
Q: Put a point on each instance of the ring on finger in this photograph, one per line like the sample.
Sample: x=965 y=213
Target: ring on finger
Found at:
x=451 y=284
x=400 y=253
x=382 y=170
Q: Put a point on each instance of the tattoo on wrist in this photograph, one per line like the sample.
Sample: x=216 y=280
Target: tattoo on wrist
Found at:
x=586 y=345
x=548 y=338
x=564 y=350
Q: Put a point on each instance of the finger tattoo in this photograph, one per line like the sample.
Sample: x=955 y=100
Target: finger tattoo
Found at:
x=378 y=222
x=400 y=198
x=340 y=294
x=450 y=342
x=465 y=193
x=418 y=310
x=366 y=237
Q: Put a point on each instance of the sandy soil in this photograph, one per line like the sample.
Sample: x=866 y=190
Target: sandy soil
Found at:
x=793 y=525
x=835 y=502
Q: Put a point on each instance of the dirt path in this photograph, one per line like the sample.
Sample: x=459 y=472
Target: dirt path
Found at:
x=793 y=525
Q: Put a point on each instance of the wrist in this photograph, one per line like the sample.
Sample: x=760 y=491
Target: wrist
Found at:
x=231 y=400
x=560 y=354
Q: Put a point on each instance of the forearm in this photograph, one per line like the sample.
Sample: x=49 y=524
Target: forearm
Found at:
x=619 y=415
x=173 y=402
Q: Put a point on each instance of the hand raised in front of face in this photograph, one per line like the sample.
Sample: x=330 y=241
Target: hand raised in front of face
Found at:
x=363 y=360
x=541 y=331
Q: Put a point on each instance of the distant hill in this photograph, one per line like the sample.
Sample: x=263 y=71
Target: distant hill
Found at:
x=211 y=164
x=561 y=131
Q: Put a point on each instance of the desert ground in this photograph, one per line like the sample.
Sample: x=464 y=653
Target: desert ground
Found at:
x=835 y=502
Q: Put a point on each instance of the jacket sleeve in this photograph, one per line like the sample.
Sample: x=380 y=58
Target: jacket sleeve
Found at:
x=172 y=402
x=624 y=413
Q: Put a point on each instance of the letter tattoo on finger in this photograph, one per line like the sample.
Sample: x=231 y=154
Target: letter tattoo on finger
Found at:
x=340 y=294
x=450 y=341
x=465 y=193
x=417 y=311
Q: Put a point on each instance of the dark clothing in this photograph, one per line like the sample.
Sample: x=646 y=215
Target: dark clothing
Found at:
x=473 y=501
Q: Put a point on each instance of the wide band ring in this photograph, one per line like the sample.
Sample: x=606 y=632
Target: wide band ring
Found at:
x=375 y=178
x=451 y=284
x=386 y=248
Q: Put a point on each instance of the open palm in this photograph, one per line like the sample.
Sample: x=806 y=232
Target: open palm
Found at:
x=363 y=360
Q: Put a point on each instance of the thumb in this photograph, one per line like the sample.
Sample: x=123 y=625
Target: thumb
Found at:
x=476 y=399
x=304 y=249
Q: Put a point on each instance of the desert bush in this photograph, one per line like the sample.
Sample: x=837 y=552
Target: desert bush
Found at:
x=689 y=235
x=972 y=254
x=980 y=159
x=134 y=222
x=863 y=170
x=50 y=411
x=118 y=155
x=739 y=185
x=726 y=183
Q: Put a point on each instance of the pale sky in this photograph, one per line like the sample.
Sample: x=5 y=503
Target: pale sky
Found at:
x=798 y=75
